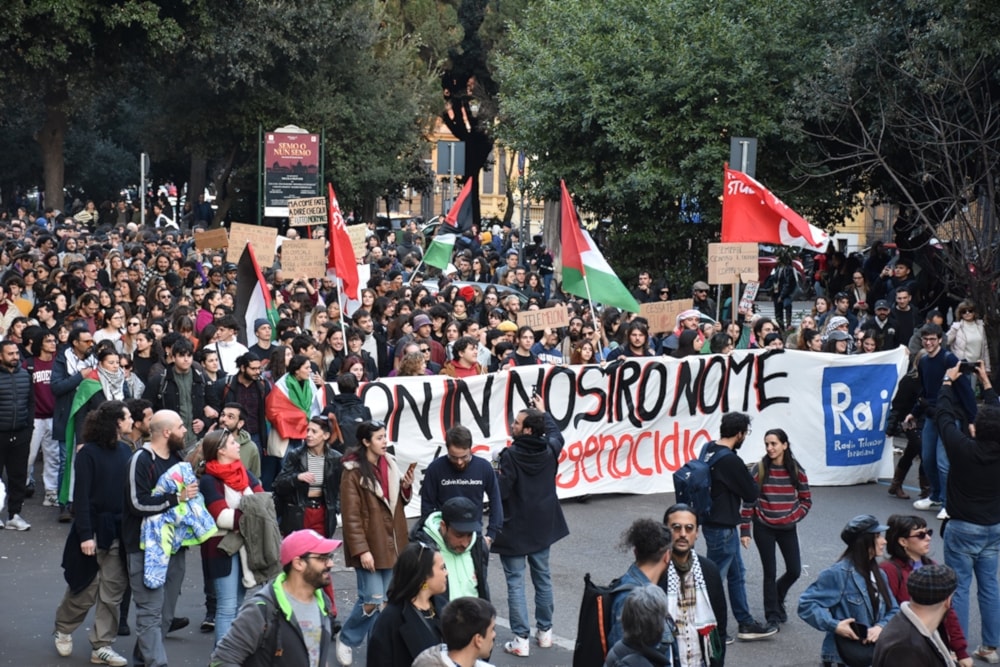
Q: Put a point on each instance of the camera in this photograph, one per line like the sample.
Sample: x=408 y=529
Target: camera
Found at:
x=967 y=366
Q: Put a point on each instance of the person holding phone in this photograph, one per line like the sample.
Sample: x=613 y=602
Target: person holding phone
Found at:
x=851 y=598
x=372 y=496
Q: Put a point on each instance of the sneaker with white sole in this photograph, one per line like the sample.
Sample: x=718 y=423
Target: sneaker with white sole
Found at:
x=345 y=655
x=51 y=499
x=943 y=514
x=987 y=654
x=107 y=656
x=926 y=504
x=544 y=638
x=518 y=646
x=64 y=644
x=17 y=523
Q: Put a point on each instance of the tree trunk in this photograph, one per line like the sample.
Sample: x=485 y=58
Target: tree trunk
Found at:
x=51 y=139
x=197 y=178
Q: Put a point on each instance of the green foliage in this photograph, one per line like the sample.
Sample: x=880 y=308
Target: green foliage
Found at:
x=633 y=104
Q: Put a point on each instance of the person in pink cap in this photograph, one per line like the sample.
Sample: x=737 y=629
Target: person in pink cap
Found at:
x=288 y=620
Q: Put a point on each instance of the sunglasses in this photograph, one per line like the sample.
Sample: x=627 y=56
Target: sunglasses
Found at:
x=685 y=527
x=923 y=534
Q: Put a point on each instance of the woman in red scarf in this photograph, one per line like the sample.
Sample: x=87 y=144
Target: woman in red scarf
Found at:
x=223 y=484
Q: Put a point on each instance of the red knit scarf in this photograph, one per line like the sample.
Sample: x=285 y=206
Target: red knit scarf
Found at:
x=234 y=474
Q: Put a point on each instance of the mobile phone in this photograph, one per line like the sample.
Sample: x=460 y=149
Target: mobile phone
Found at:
x=413 y=466
x=860 y=630
x=535 y=391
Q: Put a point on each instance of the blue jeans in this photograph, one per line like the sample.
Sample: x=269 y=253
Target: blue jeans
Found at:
x=517 y=602
x=930 y=446
x=724 y=550
x=229 y=592
x=970 y=548
x=372 y=587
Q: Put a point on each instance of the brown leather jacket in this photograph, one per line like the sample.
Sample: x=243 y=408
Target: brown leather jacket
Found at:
x=370 y=522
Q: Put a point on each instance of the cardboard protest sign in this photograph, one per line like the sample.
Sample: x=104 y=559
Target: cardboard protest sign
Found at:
x=662 y=315
x=357 y=234
x=727 y=262
x=262 y=238
x=303 y=257
x=546 y=318
x=211 y=239
x=305 y=212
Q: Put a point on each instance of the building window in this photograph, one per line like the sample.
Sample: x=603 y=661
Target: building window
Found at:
x=502 y=190
x=486 y=177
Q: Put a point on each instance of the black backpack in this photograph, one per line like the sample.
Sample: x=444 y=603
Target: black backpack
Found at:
x=693 y=482
x=595 y=622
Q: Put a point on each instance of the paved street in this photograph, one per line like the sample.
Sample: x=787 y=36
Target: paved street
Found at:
x=32 y=584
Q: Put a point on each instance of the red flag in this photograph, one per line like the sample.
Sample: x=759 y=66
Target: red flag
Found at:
x=459 y=215
x=341 y=257
x=573 y=243
x=751 y=213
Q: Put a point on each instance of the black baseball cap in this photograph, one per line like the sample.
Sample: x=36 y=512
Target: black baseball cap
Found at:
x=462 y=515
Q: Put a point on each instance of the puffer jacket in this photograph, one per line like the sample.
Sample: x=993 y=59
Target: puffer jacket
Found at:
x=17 y=400
x=372 y=523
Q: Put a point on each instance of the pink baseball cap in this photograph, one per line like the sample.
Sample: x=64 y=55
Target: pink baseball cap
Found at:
x=302 y=542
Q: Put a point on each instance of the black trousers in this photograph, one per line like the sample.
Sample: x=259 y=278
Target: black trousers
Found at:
x=14 y=447
x=775 y=589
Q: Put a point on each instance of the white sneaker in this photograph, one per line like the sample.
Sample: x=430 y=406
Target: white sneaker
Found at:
x=544 y=638
x=345 y=655
x=17 y=523
x=943 y=514
x=64 y=644
x=107 y=656
x=518 y=646
x=51 y=499
x=926 y=504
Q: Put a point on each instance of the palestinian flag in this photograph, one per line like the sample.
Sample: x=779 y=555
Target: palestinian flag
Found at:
x=253 y=298
x=585 y=272
x=440 y=250
x=459 y=216
x=291 y=404
x=86 y=390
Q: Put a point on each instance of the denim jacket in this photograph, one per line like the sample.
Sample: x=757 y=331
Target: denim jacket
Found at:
x=838 y=593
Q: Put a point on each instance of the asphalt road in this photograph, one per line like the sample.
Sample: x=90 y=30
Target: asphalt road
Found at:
x=31 y=583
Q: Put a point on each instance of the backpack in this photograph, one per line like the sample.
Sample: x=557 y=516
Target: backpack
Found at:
x=595 y=622
x=693 y=482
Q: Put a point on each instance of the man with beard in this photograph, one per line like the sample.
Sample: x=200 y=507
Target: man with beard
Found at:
x=155 y=607
x=694 y=602
x=731 y=485
x=574 y=335
x=287 y=622
x=17 y=414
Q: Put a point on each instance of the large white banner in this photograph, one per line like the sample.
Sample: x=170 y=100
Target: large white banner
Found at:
x=630 y=425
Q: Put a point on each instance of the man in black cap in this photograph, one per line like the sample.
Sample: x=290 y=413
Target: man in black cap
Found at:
x=700 y=300
x=911 y=637
x=456 y=530
x=881 y=325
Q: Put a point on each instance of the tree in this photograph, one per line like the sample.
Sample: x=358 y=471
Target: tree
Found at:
x=633 y=104
x=68 y=51
x=910 y=112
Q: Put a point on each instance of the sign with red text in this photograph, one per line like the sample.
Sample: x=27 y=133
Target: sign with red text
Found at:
x=629 y=426
x=306 y=212
x=662 y=315
x=291 y=168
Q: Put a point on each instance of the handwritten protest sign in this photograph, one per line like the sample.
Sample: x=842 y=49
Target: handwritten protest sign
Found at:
x=262 y=239
x=727 y=262
x=303 y=257
x=662 y=315
x=357 y=234
x=211 y=239
x=304 y=212
x=546 y=318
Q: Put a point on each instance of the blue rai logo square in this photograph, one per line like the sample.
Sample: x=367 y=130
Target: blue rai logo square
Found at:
x=856 y=402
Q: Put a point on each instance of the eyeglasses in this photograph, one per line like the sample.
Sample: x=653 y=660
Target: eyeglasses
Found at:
x=425 y=350
x=328 y=558
x=923 y=534
x=683 y=527
x=460 y=459
x=133 y=324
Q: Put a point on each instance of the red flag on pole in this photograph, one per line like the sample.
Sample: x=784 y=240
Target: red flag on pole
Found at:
x=459 y=216
x=341 y=257
x=752 y=214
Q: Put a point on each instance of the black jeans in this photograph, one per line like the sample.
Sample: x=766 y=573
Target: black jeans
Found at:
x=14 y=447
x=775 y=590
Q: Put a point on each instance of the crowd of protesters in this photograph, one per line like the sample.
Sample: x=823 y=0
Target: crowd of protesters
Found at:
x=98 y=311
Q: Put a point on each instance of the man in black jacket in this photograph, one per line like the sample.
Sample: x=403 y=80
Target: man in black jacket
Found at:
x=181 y=387
x=17 y=416
x=348 y=409
x=732 y=485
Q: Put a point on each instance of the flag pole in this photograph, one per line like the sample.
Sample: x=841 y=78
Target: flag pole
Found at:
x=593 y=313
x=342 y=302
